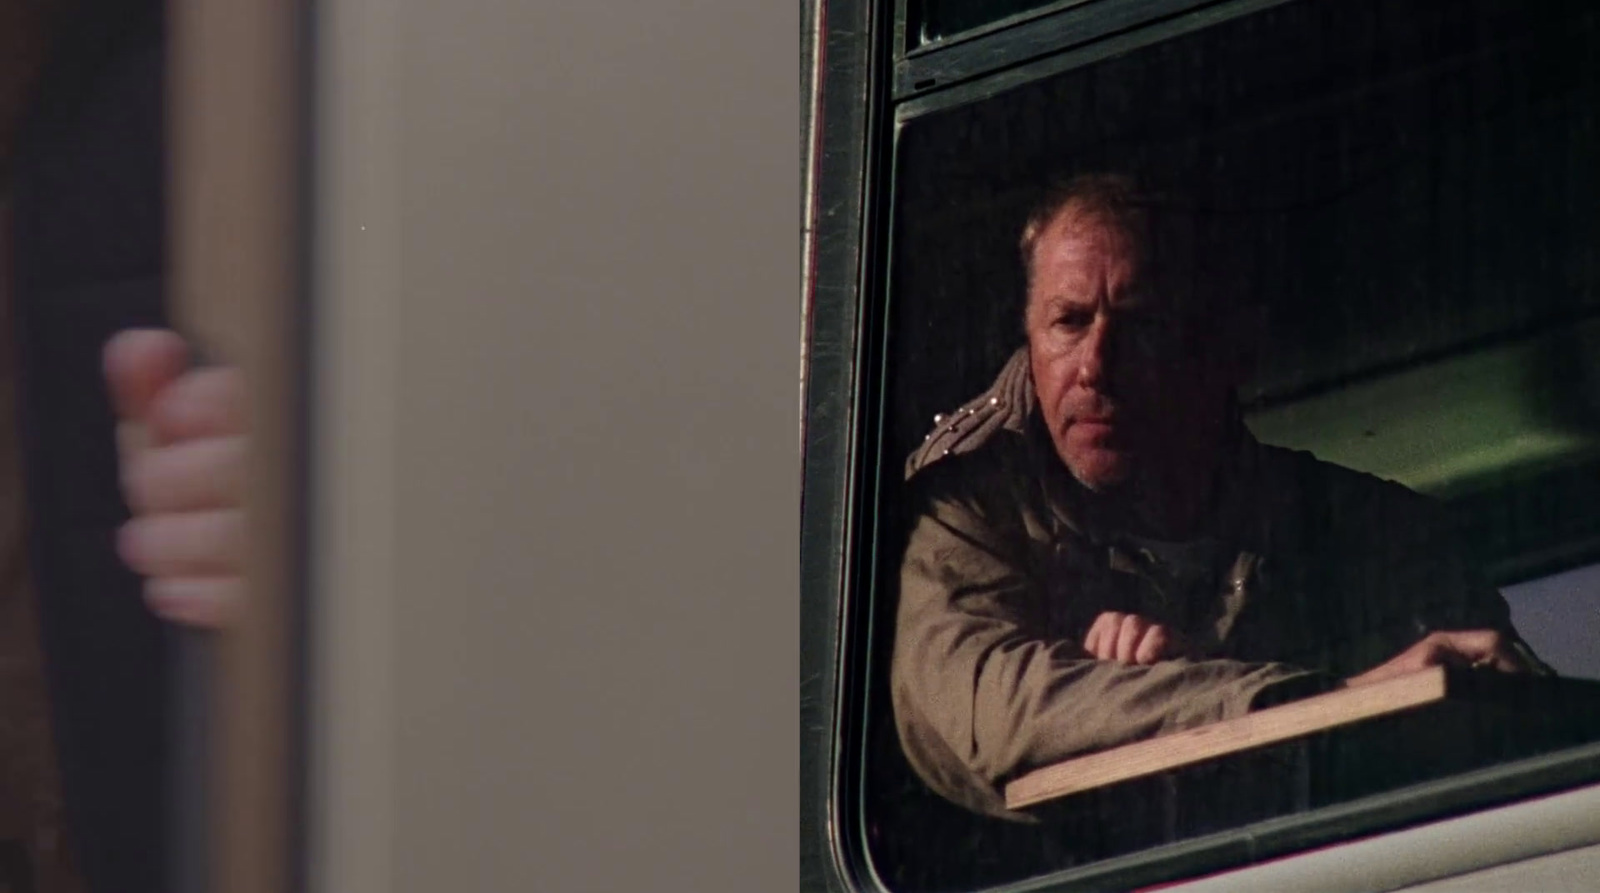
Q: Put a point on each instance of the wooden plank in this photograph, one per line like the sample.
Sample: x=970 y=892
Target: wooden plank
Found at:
x=1271 y=726
x=235 y=175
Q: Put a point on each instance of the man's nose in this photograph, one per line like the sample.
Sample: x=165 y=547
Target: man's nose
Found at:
x=1095 y=358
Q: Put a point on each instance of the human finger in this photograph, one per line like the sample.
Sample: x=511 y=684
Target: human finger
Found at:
x=183 y=544
x=1426 y=652
x=1458 y=648
x=1133 y=627
x=138 y=364
x=208 y=602
x=1153 y=645
x=1101 y=640
x=186 y=476
x=1485 y=648
x=201 y=403
x=133 y=438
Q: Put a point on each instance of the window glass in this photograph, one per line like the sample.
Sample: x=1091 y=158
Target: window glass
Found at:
x=1128 y=305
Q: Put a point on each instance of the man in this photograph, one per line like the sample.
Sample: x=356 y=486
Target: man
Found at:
x=83 y=666
x=1101 y=553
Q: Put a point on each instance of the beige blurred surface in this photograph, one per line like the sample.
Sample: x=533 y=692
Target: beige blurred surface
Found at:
x=557 y=571
x=233 y=129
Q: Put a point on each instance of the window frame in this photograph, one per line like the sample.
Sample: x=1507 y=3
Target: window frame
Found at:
x=868 y=83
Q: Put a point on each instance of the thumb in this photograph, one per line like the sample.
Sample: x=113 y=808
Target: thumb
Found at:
x=138 y=364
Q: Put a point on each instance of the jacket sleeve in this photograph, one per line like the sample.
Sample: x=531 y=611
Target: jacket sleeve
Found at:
x=982 y=694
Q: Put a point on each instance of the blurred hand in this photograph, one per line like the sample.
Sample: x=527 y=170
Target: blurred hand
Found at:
x=1456 y=648
x=1131 y=639
x=181 y=444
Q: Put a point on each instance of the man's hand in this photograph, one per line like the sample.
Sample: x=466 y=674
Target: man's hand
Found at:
x=1131 y=639
x=1458 y=648
x=180 y=444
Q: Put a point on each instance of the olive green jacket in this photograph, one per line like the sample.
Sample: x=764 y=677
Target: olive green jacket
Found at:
x=1310 y=573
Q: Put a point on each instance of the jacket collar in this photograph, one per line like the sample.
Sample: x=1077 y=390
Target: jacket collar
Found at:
x=1008 y=409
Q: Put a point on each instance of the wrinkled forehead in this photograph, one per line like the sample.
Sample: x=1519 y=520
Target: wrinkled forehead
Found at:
x=1127 y=248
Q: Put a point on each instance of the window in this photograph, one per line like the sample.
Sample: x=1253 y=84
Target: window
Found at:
x=1368 y=230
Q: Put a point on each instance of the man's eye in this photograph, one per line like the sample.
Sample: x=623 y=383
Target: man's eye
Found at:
x=1075 y=320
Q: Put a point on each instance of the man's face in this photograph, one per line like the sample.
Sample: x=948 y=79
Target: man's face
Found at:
x=1120 y=390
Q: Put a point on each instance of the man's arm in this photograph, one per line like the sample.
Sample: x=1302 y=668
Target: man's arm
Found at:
x=982 y=694
x=1440 y=610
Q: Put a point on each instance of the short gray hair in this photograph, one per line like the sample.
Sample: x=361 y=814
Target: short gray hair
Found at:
x=1109 y=197
x=1214 y=255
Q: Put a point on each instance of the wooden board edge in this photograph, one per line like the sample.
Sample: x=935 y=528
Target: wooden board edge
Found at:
x=234 y=173
x=1271 y=726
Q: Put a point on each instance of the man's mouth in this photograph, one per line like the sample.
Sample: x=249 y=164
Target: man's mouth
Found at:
x=1101 y=428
